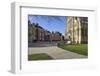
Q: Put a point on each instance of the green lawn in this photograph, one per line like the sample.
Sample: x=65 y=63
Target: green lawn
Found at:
x=41 y=56
x=77 y=48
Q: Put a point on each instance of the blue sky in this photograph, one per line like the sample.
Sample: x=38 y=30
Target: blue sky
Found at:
x=50 y=23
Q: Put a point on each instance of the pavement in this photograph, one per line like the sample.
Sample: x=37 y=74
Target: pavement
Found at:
x=55 y=52
x=43 y=44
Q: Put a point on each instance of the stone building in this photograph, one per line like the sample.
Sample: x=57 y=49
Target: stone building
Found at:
x=37 y=33
x=77 y=29
x=56 y=36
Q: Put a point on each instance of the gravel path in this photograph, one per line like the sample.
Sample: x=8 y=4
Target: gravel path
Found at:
x=55 y=52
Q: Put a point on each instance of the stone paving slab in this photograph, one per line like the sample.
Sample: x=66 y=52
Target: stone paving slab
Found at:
x=55 y=52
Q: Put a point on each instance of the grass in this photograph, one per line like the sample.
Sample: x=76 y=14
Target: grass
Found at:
x=41 y=56
x=77 y=48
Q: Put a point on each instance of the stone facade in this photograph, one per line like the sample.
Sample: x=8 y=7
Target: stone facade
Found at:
x=37 y=33
x=77 y=30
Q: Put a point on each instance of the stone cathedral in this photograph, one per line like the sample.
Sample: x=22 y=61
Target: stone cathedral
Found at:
x=77 y=30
